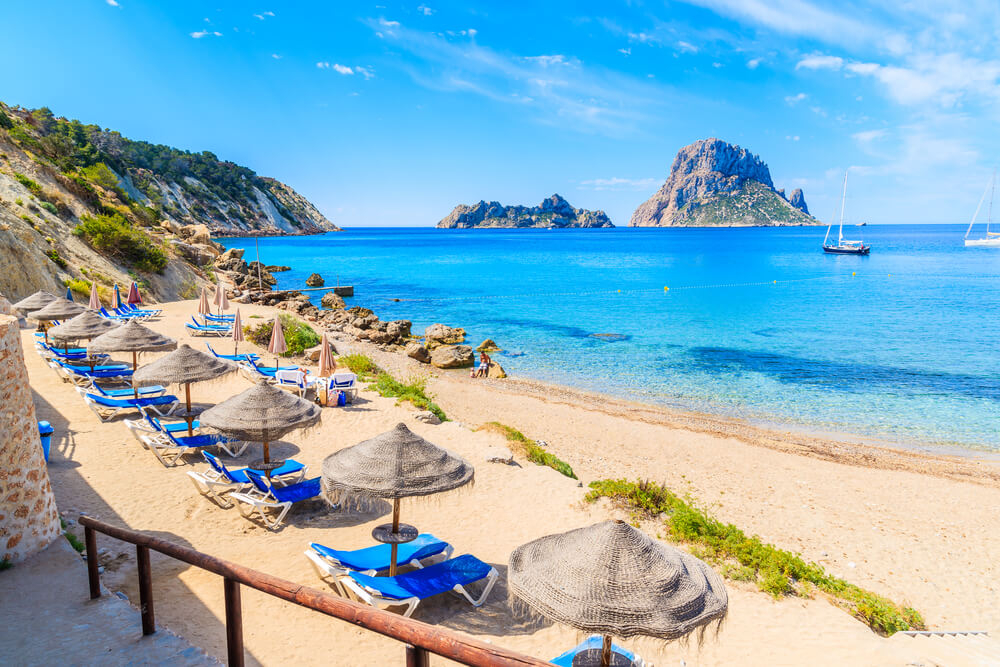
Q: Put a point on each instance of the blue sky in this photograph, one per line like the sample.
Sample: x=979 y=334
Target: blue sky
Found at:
x=392 y=113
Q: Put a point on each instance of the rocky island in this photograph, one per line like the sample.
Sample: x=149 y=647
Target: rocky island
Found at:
x=716 y=184
x=553 y=212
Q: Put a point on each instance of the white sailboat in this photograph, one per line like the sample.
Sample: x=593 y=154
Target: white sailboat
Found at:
x=843 y=246
x=992 y=239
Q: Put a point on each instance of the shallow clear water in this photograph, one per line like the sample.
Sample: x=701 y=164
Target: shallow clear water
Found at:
x=906 y=349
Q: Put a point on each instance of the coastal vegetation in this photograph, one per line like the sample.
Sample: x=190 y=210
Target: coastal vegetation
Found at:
x=299 y=336
x=412 y=391
x=529 y=448
x=81 y=287
x=73 y=540
x=360 y=364
x=112 y=234
x=747 y=558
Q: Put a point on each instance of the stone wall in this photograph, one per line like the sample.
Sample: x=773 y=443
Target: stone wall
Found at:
x=28 y=517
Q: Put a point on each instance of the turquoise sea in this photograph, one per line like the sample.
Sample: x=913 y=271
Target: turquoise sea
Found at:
x=899 y=346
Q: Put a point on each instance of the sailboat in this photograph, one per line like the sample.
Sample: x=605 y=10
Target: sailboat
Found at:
x=843 y=246
x=992 y=239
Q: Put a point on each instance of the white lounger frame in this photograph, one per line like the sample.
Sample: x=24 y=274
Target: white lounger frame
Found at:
x=207 y=482
x=107 y=413
x=376 y=600
x=332 y=571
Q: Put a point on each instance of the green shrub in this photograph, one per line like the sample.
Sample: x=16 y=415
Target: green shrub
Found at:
x=50 y=207
x=530 y=449
x=115 y=236
x=53 y=254
x=32 y=186
x=5 y=564
x=775 y=571
x=102 y=175
x=5 y=121
x=414 y=391
x=19 y=201
x=299 y=336
x=74 y=541
x=361 y=365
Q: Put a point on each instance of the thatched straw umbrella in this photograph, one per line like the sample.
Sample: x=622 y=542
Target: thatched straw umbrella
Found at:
x=36 y=301
x=85 y=326
x=613 y=579
x=277 y=344
x=183 y=366
x=57 y=309
x=237 y=334
x=396 y=464
x=262 y=414
x=132 y=337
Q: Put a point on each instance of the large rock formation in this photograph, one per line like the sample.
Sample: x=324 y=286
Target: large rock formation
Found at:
x=715 y=184
x=552 y=212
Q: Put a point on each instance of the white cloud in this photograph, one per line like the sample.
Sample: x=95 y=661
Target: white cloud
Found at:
x=791 y=137
x=626 y=52
x=205 y=33
x=868 y=136
x=342 y=69
x=425 y=10
x=323 y=65
x=753 y=64
x=819 y=61
x=366 y=72
x=264 y=15
x=113 y=3
x=388 y=24
x=617 y=183
x=717 y=65
x=792 y=100
x=687 y=47
x=548 y=61
x=276 y=56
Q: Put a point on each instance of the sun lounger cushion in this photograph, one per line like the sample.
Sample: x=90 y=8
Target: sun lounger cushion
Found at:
x=132 y=402
x=377 y=557
x=429 y=581
x=594 y=642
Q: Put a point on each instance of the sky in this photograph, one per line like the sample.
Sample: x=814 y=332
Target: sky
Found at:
x=391 y=114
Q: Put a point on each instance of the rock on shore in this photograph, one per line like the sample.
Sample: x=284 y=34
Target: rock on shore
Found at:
x=552 y=212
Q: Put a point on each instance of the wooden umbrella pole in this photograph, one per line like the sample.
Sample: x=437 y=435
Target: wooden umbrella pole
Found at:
x=395 y=529
x=187 y=397
x=267 y=452
x=606 y=651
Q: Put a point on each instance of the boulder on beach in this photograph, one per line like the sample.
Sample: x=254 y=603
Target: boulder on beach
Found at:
x=315 y=280
x=332 y=301
x=427 y=417
x=452 y=356
x=496 y=371
x=488 y=345
x=440 y=334
x=418 y=352
x=196 y=234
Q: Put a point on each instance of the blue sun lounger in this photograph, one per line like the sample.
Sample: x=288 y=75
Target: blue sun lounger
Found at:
x=144 y=392
x=257 y=373
x=226 y=479
x=233 y=357
x=168 y=447
x=372 y=560
x=219 y=318
x=263 y=496
x=595 y=642
x=86 y=377
x=132 y=308
x=410 y=588
x=207 y=329
x=106 y=408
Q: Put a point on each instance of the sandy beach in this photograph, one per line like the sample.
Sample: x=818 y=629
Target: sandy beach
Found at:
x=917 y=528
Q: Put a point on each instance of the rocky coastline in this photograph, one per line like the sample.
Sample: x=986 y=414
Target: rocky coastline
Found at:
x=553 y=213
x=440 y=346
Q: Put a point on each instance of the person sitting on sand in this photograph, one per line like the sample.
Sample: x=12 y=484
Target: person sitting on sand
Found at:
x=484 y=365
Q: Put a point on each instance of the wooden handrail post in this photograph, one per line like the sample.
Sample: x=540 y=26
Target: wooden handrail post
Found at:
x=234 y=623
x=145 y=590
x=90 y=538
x=417 y=657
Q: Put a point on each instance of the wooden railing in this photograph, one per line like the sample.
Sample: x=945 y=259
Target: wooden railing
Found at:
x=421 y=639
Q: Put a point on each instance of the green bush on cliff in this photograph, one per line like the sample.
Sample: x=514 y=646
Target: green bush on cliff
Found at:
x=32 y=186
x=775 y=571
x=53 y=254
x=299 y=336
x=114 y=235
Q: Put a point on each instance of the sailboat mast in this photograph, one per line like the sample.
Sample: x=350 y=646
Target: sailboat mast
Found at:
x=980 y=206
x=843 y=202
x=989 y=211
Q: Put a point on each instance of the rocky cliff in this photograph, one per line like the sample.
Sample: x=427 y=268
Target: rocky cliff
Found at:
x=552 y=212
x=715 y=184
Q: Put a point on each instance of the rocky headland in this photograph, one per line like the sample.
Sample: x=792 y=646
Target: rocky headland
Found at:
x=716 y=184
x=554 y=212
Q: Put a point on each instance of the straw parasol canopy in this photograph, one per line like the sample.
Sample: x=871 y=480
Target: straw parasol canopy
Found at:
x=132 y=337
x=86 y=325
x=36 y=301
x=277 y=344
x=57 y=309
x=262 y=414
x=183 y=366
x=613 y=579
x=396 y=464
x=237 y=333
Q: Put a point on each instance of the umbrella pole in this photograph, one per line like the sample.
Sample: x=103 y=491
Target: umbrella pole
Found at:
x=606 y=651
x=395 y=529
x=135 y=363
x=187 y=397
x=267 y=454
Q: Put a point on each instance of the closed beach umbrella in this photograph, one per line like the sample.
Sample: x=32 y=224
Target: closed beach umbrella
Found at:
x=84 y=326
x=396 y=464
x=326 y=363
x=614 y=580
x=185 y=365
x=133 y=295
x=132 y=337
x=221 y=300
x=69 y=294
x=95 y=300
x=237 y=334
x=277 y=345
x=262 y=414
x=36 y=301
x=57 y=309
x=203 y=307
x=116 y=299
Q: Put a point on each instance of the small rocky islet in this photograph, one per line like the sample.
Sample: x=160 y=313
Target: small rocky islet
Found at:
x=553 y=213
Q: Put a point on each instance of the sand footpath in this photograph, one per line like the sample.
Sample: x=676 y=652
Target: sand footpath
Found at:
x=919 y=529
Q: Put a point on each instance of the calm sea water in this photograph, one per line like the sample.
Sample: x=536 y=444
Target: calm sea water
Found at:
x=901 y=345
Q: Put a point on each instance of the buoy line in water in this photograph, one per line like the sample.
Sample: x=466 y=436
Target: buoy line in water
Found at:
x=666 y=289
